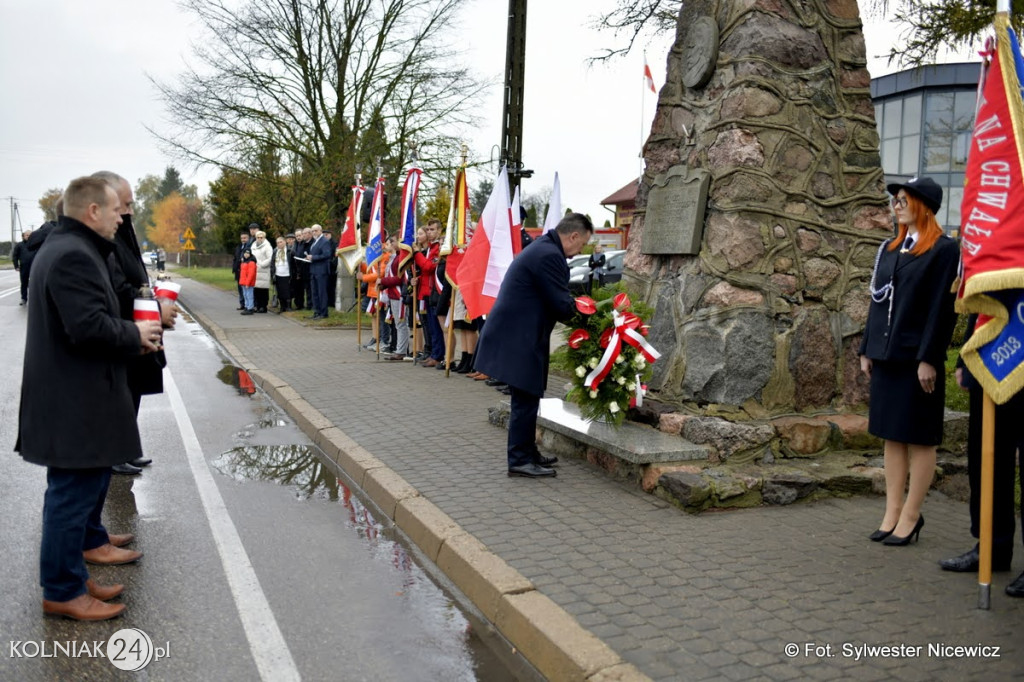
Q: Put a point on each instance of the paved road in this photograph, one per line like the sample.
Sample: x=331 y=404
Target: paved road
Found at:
x=715 y=596
x=287 y=575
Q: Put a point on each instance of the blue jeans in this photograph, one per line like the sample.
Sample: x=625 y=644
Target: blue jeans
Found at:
x=247 y=296
x=71 y=507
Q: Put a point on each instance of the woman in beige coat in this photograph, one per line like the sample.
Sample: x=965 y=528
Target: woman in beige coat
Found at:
x=263 y=252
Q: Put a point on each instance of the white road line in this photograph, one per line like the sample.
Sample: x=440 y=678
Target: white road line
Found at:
x=269 y=650
x=10 y=292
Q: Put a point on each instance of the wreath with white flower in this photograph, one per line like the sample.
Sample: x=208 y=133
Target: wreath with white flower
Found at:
x=607 y=356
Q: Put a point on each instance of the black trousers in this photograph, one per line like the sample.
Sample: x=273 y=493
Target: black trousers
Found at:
x=261 y=297
x=1009 y=437
x=284 y=292
x=522 y=428
x=298 y=293
x=23 y=272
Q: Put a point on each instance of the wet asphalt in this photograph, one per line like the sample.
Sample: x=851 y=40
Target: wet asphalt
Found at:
x=314 y=587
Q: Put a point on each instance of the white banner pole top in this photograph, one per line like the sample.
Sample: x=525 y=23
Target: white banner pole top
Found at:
x=1003 y=6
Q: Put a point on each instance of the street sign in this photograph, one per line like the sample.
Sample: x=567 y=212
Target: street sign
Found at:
x=189 y=246
x=189 y=234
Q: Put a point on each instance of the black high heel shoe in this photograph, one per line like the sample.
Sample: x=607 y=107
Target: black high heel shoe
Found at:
x=897 y=541
x=880 y=535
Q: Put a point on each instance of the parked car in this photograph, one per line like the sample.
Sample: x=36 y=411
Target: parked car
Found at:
x=579 y=275
x=150 y=257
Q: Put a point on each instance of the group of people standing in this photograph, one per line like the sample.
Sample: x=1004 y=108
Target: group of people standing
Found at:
x=82 y=336
x=909 y=328
x=300 y=265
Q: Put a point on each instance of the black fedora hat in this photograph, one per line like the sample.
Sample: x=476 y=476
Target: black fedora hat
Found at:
x=925 y=189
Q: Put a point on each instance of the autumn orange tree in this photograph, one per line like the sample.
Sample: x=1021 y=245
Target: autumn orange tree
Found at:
x=172 y=215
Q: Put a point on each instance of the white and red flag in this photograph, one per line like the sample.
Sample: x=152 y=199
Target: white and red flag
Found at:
x=648 y=78
x=554 y=214
x=375 y=238
x=350 y=241
x=490 y=252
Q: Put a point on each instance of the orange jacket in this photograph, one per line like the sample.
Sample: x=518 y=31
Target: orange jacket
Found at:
x=247 y=274
x=371 y=274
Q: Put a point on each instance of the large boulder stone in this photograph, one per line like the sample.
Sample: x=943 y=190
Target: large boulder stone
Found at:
x=689 y=489
x=728 y=361
x=787 y=488
x=803 y=435
x=724 y=437
x=813 y=358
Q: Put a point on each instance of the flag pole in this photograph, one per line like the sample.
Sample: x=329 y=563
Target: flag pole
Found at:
x=643 y=98
x=988 y=437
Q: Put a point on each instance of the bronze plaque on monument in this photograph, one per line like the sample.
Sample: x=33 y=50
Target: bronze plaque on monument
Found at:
x=674 y=222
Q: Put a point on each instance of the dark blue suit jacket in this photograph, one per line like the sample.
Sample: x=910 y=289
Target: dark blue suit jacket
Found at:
x=320 y=255
x=515 y=341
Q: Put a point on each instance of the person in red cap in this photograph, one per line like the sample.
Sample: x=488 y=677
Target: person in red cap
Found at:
x=903 y=351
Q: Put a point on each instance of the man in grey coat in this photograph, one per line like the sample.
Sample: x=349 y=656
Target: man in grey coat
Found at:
x=76 y=416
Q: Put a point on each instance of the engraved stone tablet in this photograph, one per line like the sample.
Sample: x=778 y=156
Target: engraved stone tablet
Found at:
x=674 y=223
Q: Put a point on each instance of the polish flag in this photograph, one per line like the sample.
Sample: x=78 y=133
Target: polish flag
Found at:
x=146 y=309
x=554 y=214
x=490 y=252
x=648 y=77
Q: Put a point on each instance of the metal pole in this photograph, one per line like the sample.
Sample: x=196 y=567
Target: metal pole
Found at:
x=515 y=71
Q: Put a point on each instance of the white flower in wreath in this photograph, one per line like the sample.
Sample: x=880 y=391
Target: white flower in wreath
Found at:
x=631 y=386
x=619 y=360
x=639 y=361
x=592 y=363
x=620 y=380
x=593 y=393
x=581 y=371
x=613 y=407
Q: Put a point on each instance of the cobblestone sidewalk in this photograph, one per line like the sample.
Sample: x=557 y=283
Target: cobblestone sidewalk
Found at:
x=709 y=597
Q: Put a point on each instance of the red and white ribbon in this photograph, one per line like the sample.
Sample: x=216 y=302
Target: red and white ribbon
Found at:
x=146 y=309
x=621 y=332
x=168 y=290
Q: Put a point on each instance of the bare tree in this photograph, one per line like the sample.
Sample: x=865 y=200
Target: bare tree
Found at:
x=323 y=86
x=635 y=19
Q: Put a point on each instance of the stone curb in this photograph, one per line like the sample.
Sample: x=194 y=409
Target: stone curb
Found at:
x=543 y=632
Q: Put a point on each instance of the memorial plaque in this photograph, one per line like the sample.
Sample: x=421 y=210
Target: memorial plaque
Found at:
x=674 y=222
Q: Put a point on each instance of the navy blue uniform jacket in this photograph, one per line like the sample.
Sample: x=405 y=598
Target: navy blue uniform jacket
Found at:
x=515 y=341
x=320 y=254
x=922 y=310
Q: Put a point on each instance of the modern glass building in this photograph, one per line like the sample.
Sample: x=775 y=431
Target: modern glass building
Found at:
x=925 y=117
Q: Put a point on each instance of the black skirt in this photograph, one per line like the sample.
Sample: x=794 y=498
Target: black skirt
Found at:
x=900 y=410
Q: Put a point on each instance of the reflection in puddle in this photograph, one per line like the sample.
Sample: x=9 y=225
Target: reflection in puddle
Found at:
x=445 y=633
x=238 y=378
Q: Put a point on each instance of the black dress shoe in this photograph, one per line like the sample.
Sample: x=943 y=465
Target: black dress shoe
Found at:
x=141 y=462
x=880 y=535
x=544 y=461
x=531 y=470
x=505 y=390
x=126 y=469
x=1016 y=588
x=968 y=561
x=495 y=382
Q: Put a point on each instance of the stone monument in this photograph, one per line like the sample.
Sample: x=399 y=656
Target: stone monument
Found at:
x=761 y=209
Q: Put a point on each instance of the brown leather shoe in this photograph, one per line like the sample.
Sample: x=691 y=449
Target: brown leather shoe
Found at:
x=83 y=607
x=431 y=362
x=482 y=377
x=120 y=540
x=473 y=375
x=108 y=555
x=103 y=592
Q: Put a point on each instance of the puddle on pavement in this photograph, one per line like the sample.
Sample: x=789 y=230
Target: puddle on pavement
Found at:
x=447 y=626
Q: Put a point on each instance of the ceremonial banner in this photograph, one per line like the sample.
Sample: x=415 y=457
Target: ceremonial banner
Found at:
x=489 y=253
x=648 y=78
x=458 y=231
x=554 y=214
x=517 y=224
x=375 y=239
x=350 y=242
x=407 y=230
x=992 y=224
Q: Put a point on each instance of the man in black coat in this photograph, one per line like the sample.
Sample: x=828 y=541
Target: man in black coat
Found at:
x=75 y=377
x=1009 y=440
x=22 y=257
x=514 y=344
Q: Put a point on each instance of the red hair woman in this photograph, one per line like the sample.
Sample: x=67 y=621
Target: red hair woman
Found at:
x=910 y=324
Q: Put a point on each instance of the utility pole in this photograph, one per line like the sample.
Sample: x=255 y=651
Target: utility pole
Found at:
x=512 y=116
x=14 y=210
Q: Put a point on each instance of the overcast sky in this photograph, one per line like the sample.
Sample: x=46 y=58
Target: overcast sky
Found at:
x=76 y=97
